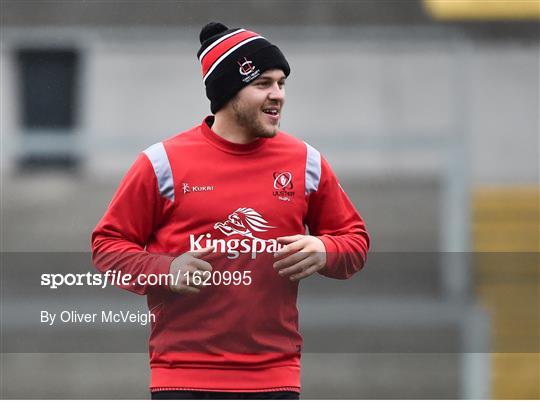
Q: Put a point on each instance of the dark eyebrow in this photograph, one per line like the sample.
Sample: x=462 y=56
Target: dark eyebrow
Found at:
x=266 y=78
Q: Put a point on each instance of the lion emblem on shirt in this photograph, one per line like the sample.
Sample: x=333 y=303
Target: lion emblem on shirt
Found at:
x=243 y=221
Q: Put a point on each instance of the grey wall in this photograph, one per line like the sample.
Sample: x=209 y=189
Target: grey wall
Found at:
x=363 y=92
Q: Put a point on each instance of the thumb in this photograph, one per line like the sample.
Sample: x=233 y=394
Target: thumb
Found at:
x=202 y=252
x=289 y=239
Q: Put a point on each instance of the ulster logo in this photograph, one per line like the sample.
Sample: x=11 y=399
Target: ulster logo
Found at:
x=283 y=186
x=283 y=181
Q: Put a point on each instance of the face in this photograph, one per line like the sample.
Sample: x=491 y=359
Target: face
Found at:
x=257 y=107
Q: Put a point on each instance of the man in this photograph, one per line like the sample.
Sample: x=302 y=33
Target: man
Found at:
x=223 y=208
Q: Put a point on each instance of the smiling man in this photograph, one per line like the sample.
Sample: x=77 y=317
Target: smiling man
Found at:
x=222 y=209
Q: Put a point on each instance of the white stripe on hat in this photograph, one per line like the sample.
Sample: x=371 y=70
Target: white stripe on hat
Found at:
x=216 y=63
x=217 y=42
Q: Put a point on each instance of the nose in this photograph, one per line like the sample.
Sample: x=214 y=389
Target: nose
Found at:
x=277 y=92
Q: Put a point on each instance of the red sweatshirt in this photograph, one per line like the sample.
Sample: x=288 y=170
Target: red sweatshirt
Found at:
x=197 y=189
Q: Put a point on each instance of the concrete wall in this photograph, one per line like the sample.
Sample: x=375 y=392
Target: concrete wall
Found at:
x=365 y=91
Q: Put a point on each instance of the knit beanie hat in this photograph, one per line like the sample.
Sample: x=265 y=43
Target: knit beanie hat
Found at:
x=232 y=58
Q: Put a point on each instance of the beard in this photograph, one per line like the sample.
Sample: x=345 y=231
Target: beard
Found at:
x=249 y=118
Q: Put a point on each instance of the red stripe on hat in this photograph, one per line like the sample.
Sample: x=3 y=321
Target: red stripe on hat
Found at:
x=210 y=58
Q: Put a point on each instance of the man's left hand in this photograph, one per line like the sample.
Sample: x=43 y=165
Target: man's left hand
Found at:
x=301 y=257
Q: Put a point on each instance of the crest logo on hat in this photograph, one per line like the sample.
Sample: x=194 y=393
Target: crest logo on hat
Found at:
x=246 y=66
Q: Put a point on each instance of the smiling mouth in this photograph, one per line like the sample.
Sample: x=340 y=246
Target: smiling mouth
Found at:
x=271 y=111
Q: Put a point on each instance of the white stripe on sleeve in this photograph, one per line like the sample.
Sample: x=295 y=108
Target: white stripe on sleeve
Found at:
x=162 y=168
x=313 y=169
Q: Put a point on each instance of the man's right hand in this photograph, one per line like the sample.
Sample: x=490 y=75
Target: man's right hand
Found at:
x=184 y=267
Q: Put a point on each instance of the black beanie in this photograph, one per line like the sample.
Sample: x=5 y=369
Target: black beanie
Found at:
x=232 y=58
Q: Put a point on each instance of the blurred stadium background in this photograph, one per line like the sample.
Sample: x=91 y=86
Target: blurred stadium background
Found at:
x=429 y=113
